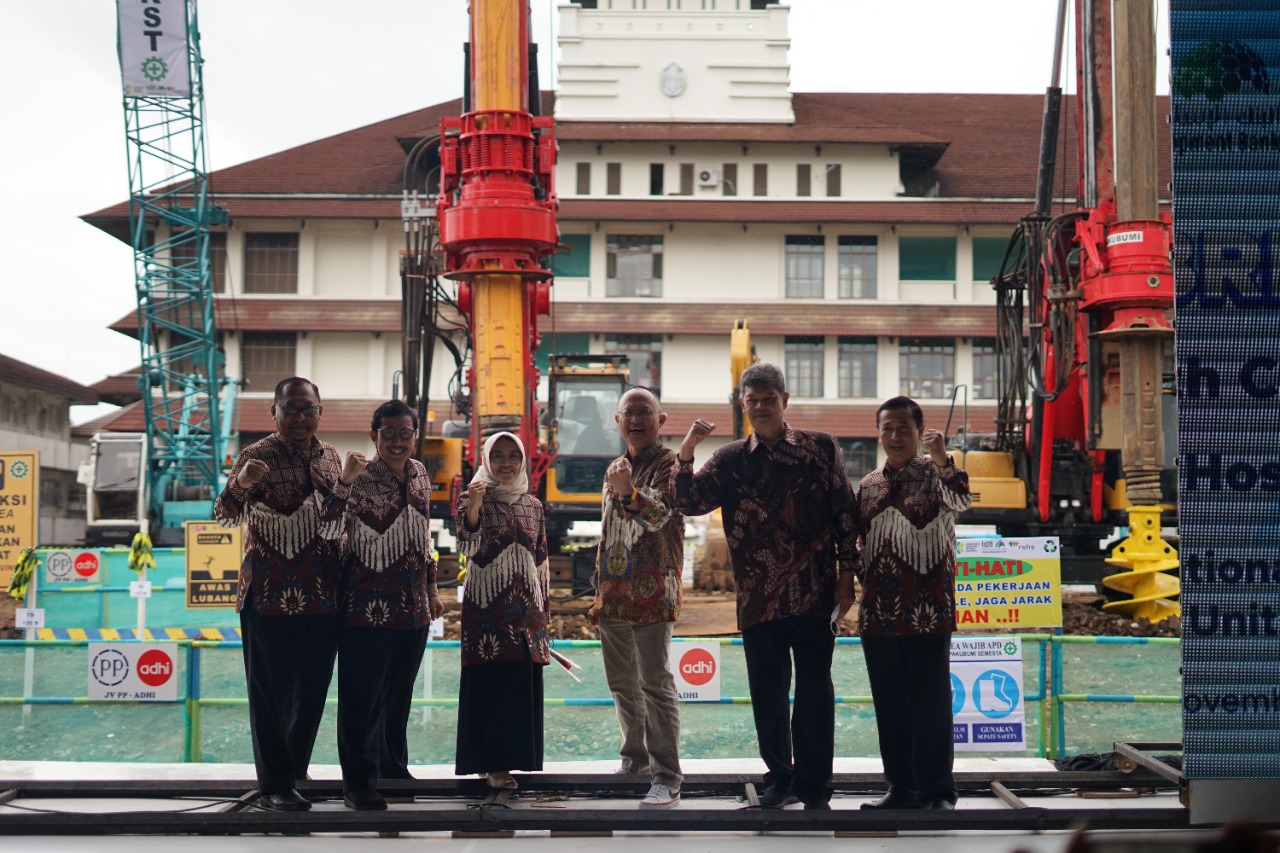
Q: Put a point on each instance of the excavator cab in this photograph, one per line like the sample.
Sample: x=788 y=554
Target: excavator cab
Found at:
x=583 y=396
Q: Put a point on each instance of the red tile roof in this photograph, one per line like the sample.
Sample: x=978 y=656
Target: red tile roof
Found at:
x=32 y=378
x=121 y=389
x=976 y=146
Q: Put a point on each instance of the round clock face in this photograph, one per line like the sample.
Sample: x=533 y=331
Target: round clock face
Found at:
x=672 y=80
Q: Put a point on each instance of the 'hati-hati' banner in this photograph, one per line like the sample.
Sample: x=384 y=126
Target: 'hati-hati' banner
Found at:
x=153 y=48
x=1008 y=583
x=1226 y=227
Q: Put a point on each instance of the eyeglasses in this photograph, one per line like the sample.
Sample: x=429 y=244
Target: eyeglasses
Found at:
x=405 y=433
x=306 y=411
x=637 y=415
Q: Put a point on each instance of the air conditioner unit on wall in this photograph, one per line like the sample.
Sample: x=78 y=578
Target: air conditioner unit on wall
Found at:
x=708 y=177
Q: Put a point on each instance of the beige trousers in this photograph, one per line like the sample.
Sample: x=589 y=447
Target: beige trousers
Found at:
x=644 y=695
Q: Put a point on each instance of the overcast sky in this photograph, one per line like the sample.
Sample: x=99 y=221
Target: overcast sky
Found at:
x=279 y=73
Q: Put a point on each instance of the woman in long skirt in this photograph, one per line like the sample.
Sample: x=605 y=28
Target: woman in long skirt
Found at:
x=502 y=533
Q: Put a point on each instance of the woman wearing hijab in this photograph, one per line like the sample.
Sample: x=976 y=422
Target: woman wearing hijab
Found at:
x=504 y=617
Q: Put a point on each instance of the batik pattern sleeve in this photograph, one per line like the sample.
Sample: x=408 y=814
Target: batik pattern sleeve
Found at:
x=701 y=492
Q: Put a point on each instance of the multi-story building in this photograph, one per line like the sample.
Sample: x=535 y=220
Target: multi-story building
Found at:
x=35 y=415
x=855 y=232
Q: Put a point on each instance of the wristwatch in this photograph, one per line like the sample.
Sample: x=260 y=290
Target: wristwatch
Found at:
x=626 y=500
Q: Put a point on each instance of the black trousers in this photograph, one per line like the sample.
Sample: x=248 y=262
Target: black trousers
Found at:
x=377 y=668
x=288 y=664
x=810 y=727
x=911 y=689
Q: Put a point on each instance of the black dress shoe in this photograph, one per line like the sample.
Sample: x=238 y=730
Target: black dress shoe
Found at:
x=364 y=800
x=940 y=806
x=776 y=796
x=895 y=800
x=817 y=806
x=288 y=801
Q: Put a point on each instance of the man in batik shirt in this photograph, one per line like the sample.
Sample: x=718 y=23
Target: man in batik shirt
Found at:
x=908 y=514
x=288 y=490
x=637 y=580
x=790 y=523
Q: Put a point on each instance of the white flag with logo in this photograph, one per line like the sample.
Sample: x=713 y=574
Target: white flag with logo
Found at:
x=153 y=48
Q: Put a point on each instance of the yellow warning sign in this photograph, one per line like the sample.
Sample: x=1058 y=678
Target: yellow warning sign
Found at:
x=19 y=508
x=214 y=555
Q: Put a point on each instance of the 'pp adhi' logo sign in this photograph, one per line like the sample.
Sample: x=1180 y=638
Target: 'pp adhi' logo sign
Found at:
x=134 y=671
x=72 y=567
x=697 y=670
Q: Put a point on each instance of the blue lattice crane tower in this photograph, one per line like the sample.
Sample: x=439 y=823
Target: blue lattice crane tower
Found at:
x=170 y=217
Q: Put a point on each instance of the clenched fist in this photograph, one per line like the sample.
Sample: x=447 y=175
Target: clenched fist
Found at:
x=351 y=468
x=252 y=473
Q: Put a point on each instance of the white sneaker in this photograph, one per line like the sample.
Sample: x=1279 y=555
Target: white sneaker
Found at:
x=660 y=796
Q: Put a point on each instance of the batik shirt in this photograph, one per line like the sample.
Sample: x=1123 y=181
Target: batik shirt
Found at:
x=909 y=548
x=641 y=554
x=293 y=524
x=387 y=572
x=504 y=603
x=789 y=520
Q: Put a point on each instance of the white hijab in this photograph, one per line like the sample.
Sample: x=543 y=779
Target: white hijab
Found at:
x=510 y=492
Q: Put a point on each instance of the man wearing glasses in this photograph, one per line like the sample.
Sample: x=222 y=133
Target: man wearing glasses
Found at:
x=791 y=526
x=637 y=580
x=289 y=491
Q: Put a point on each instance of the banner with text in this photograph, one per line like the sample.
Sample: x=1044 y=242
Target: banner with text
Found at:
x=1008 y=583
x=154 y=59
x=1226 y=226
x=75 y=566
x=214 y=555
x=697 y=670
x=987 y=711
x=134 y=672
x=19 y=508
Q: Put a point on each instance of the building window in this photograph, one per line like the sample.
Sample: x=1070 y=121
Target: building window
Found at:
x=657 y=180
x=927 y=367
x=270 y=263
x=575 y=260
x=859 y=457
x=927 y=258
x=634 y=265
x=988 y=252
x=186 y=253
x=584 y=179
x=804 y=356
x=729 y=186
x=613 y=179
x=804 y=266
x=686 y=179
x=856 y=261
x=804 y=180
x=833 y=180
x=645 y=357
x=984 y=369
x=760 y=179
x=857 y=359
x=266 y=358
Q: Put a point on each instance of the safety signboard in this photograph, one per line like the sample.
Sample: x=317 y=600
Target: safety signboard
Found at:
x=19 y=508
x=697 y=670
x=1008 y=583
x=138 y=672
x=214 y=555
x=987 y=710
